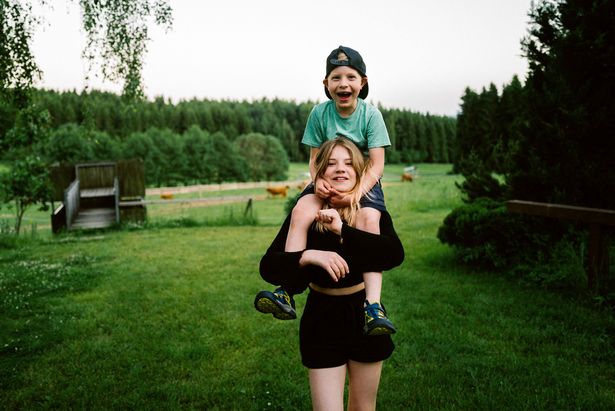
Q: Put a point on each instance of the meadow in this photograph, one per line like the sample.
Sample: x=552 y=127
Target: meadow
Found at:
x=163 y=318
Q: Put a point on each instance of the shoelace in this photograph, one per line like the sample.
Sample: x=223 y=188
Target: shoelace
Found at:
x=375 y=311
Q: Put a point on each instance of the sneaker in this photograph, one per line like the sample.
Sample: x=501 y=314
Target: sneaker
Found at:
x=278 y=303
x=376 y=321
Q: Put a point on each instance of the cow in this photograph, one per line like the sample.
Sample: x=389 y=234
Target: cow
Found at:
x=281 y=191
x=303 y=184
x=166 y=196
x=407 y=177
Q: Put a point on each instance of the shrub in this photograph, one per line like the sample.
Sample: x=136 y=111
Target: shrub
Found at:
x=541 y=250
x=484 y=232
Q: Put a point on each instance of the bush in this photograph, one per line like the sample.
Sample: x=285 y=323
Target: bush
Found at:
x=484 y=232
x=541 y=250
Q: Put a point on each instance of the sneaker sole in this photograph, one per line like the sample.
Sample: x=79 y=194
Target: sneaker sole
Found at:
x=266 y=306
x=379 y=331
x=379 y=328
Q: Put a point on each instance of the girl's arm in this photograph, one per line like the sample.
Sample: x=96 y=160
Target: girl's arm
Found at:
x=283 y=268
x=369 y=252
x=366 y=251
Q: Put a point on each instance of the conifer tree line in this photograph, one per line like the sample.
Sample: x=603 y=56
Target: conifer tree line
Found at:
x=415 y=137
x=549 y=140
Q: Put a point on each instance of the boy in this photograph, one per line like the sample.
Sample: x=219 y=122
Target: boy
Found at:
x=347 y=114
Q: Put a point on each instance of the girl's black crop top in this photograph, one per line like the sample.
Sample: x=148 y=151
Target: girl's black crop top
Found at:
x=363 y=251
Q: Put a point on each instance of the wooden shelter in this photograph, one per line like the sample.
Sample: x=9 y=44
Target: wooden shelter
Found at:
x=98 y=195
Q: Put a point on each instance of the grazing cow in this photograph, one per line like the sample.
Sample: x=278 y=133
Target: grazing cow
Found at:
x=166 y=196
x=407 y=177
x=303 y=184
x=281 y=191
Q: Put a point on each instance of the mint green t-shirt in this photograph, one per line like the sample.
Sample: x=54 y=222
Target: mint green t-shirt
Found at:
x=365 y=126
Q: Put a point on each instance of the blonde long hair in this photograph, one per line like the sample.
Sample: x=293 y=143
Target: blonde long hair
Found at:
x=349 y=213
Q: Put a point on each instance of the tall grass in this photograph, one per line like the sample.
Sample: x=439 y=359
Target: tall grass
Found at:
x=163 y=319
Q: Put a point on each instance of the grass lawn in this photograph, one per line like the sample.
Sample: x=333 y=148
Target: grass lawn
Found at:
x=163 y=319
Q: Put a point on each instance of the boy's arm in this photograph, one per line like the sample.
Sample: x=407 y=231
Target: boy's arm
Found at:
x=375 y=169
x=313 y=153
x=321 y=187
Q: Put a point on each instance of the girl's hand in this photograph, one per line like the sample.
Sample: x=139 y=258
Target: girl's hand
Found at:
x=330 y=261
x=330 y=219
x=322 y=188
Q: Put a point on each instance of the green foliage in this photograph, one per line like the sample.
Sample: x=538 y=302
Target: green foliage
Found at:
x=483 y=232
x=69 y=144
x=18 y=70
x=117 y=36
x=29 y=133
x=540 y=251
x=544 y=141
x=566 y=155
x=264 y=155
x=229 y=162
x=284 y=120
x=479 y=182
x=26 y=184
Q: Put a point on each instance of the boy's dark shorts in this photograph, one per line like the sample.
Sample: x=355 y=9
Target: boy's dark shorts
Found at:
x=373 y=199
x=331 y=332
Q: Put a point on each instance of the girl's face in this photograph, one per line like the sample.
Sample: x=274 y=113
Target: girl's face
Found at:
x=344 y=85
x=339 y=172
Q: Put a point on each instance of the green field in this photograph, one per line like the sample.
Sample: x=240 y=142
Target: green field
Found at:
x=162 y=318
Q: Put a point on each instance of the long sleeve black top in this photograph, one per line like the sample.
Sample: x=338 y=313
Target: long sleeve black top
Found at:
x=363 y=251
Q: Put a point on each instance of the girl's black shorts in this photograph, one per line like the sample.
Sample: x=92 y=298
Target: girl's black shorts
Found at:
x=331 y=332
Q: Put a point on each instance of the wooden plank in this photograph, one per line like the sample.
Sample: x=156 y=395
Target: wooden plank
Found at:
x=565 y=212
x=94 y=218
x=97 y=192
x=598 y=250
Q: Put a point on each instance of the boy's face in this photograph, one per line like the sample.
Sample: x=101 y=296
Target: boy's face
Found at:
x=344 y=84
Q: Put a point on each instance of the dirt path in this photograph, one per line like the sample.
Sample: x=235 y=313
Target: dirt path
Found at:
x=218 y=187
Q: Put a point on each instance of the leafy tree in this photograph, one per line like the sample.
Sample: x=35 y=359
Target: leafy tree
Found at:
x=29 y=132
x=69 y=144
x=566 y=155
x=230 y=164
x=140 y=145
x=17 y=66
x=264 y=155
x=25 y=184
x=198 y=151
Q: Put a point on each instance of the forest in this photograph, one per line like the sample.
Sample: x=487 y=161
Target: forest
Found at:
x=187 y=142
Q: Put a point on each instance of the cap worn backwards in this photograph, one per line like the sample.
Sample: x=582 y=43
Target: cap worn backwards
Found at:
x=345 y=56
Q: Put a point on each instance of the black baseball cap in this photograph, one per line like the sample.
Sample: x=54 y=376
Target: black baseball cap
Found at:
x=353 y=60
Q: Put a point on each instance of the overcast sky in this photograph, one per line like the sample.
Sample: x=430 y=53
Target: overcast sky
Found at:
x=420 y=54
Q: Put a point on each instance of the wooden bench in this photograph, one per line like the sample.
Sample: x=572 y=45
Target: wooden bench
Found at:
x=598 y=219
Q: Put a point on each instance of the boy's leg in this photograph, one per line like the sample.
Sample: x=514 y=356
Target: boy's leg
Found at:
x=369 y=220
x=280 y=302
x=301 y=219
x=376 y=321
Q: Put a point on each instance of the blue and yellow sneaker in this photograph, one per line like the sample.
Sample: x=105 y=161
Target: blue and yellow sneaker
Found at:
x=278 y=303
x=376 y=321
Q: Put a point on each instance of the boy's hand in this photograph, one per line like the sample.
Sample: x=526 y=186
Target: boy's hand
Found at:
x=322 y=189
x=338 y=200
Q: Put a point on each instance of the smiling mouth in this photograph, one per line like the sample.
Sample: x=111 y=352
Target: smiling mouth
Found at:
x=340 y=178
x=344 y=94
